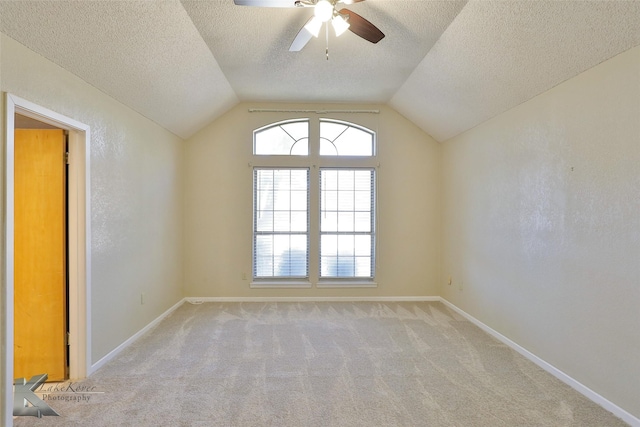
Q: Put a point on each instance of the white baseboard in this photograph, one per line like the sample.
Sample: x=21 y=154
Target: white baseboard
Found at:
x=581 y=388
x=197 y=300
x=113 y=353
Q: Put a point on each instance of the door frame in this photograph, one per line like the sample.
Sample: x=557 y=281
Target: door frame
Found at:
x=79 y=229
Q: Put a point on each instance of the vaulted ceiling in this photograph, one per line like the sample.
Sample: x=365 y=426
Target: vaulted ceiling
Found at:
x=446 y=65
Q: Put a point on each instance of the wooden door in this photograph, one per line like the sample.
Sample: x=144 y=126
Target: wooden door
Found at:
x=40 y=312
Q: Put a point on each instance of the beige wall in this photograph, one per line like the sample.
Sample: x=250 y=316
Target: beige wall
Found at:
x=218 y=206
x=136 y=197
x=541 y=223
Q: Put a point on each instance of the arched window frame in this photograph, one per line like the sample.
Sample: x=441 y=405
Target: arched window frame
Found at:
x=282 y=125
x=348 y=126
x=317 y=273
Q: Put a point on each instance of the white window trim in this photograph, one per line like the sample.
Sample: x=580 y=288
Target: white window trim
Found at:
x=265 y=279
x=280 y=284
x=314 y=161
x=343 y=283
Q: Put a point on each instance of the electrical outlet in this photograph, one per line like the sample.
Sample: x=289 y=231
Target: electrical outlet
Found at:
x=244 y=275
x=142 y=298
x=450 y=281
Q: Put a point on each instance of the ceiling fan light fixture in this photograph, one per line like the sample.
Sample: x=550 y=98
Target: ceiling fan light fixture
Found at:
x=340 y=24
x=313 y=26
x=323 y=10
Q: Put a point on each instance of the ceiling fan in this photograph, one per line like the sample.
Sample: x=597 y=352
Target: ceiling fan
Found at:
x=323 y=11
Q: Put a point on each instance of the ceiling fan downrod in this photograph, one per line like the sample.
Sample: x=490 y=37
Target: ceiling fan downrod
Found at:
x=327 y=33
x=305 y=3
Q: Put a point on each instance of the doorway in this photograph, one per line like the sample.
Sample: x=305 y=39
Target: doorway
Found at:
x=40 y=286
x=79 y=246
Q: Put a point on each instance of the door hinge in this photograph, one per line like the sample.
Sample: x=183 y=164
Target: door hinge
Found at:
x=67 y=338
x=66 y=157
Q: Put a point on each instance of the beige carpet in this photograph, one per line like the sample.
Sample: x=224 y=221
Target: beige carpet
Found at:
x=321 y=364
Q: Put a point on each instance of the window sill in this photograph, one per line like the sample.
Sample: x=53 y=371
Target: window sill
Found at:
x=274 y=284
x=347 y=284
x=303 y=284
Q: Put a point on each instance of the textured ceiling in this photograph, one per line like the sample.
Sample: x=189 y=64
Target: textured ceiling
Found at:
x=252 y=46
x=146 y=54
x=446 y=65
x=498 y=54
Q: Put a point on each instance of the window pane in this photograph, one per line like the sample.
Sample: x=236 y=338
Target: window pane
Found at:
x=329 y=179
x=362 y=200
x=363 y=267
x=281 y=200
x=298 y=200
x=345 y=267
x=346 y=223
x=337 y=267
x=344 y=139
x=362 y=245
x=329 y=245
x=346 y=179
x=282 y=179
x=300 y=147
x=285 y=139
x=264 y=244
x=329 y=221
x=264 y=180
x=298 y=265
x=299 y=180
x=355 y=142
x=328 y=266
x=280 y=244
x=298 y=222
x=345 y=201
x=330 y=200
x=264 y=221
x=331 y=130
x=327 y=148
x=281 y=223
x=346 y=245
x=264 y=267
x=362 y=180
x=290 y=255
x=362 y=221
x=264 y=262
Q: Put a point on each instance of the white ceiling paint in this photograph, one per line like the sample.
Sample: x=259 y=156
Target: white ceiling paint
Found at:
x=446 y=65
x=146 y=54
x=252 y=46
x=499 y=54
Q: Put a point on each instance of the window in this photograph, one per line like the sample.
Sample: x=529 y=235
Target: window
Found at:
x=346 y=222
x=333 y=175
x=286 y=138
x=344 y=139
x=281 y=222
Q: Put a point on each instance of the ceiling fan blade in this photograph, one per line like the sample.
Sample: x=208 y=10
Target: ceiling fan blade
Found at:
x=302 y=38
x=363 y=28
x=265 y=3
x=349 y=1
